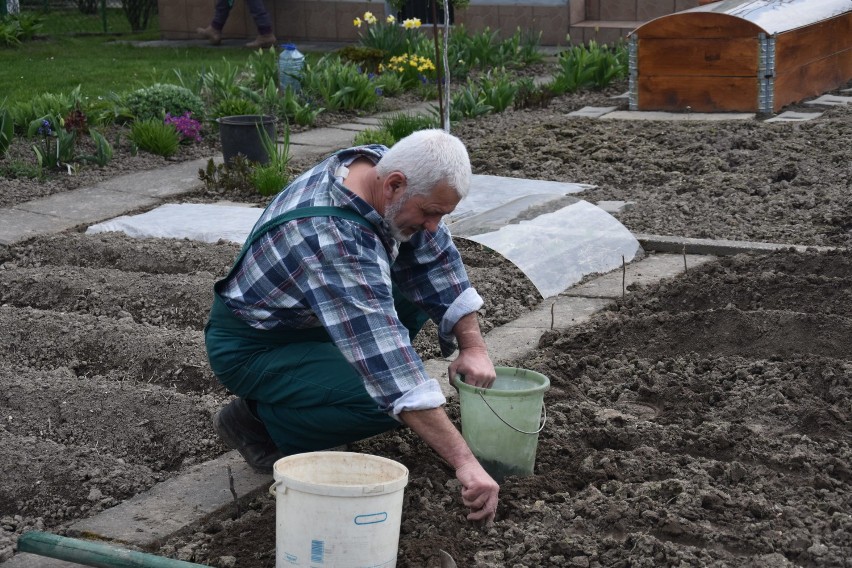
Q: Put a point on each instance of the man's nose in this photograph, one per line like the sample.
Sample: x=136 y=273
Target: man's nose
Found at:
x=431 y=224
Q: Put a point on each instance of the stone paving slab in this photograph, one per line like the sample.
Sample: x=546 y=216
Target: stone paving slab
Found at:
x=426 y=108
x=163 y=182
x=561 y=312
x=790 y=116
x=719 y=247
x=27 y=560
x=506 y=344
x=437 y=369
x=592 y=112
x=368 y=120
x=87 y=205
x=171 y=505
x=649 y=270
x=17 y=226
x=830 y=100
x=323 y=137
x=356 y=126
x=676 y=116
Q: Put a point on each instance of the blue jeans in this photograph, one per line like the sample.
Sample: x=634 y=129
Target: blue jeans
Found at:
x=257 y=9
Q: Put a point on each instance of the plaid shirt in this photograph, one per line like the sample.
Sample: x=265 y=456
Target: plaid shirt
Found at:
x=336 y=273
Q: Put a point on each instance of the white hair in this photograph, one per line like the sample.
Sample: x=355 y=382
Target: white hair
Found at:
x=428 y=158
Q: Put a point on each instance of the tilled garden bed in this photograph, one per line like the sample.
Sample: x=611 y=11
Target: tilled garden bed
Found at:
x=701 y=422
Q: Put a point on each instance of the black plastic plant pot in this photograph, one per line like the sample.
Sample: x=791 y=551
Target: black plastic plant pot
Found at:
x=241 y=134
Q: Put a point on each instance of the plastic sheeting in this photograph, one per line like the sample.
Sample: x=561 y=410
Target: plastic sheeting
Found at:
x=524 y=220
x=490 y=192
x=556 y=250
x=194 y=221
x=776 y=16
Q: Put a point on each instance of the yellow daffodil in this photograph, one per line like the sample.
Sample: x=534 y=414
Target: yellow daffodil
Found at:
x=390 y=19
x=369 y=18
x=357 y=22
x=411 y=23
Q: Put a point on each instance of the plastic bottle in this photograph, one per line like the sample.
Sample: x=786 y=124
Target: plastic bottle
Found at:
x=290 y=64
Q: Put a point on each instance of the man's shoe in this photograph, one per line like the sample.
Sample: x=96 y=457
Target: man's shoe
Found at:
x=241 y=431
x=262 y=42
x=213 y=35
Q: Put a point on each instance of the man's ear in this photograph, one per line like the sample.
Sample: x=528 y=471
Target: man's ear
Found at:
x=395 y=183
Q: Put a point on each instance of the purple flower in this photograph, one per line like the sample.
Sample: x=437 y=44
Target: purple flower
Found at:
x=187 y=127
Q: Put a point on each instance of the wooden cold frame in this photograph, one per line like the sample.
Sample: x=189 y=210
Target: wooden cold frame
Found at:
x=703 y=61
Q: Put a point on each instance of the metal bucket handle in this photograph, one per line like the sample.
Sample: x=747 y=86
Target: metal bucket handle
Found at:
x=540 y=428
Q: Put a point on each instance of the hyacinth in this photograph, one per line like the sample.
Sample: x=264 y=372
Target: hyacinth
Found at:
x=411 y=23
x=45 y=129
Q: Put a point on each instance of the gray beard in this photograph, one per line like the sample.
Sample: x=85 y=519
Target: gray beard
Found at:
x=389 y=217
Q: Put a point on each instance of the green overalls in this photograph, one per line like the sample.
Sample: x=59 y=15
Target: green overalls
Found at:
x=308 y=395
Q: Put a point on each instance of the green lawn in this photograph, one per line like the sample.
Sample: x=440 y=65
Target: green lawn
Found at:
x=100 y=63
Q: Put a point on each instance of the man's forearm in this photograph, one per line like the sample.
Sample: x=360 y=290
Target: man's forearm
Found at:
x=468 y=333
x=479 y=491
x=436 y=429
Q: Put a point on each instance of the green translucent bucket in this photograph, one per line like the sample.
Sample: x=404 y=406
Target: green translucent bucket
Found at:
x=501 y=424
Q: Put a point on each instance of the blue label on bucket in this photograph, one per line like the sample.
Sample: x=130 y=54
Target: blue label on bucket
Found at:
x=317 y=551
x=371 y=518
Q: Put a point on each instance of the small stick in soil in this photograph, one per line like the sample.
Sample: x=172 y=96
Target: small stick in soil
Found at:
x=552 y=316
x=685 y=269
x=623 y=278
x=237 y=512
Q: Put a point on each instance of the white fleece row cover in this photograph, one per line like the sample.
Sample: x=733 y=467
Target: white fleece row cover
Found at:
x=555 y=249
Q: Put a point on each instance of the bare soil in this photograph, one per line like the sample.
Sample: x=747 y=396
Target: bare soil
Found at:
x=700 y=422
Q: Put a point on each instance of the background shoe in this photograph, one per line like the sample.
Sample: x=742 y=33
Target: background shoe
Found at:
x=262 y=42
x=241 y=431
x=213 y=35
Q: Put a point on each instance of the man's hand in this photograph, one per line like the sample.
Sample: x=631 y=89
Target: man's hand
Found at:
x=475 y=366
x=479 y=490
x=473 y=361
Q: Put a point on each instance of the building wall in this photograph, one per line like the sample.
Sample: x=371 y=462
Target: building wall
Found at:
x=331 y=20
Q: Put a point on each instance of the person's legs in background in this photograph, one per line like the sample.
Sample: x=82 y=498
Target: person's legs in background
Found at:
x=265 y=37
x=213 y=32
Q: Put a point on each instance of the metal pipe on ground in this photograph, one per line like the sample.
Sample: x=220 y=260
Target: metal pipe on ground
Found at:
x=94 y=553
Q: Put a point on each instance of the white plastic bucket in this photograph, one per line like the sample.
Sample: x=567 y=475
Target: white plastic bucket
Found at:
x=335 y=509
